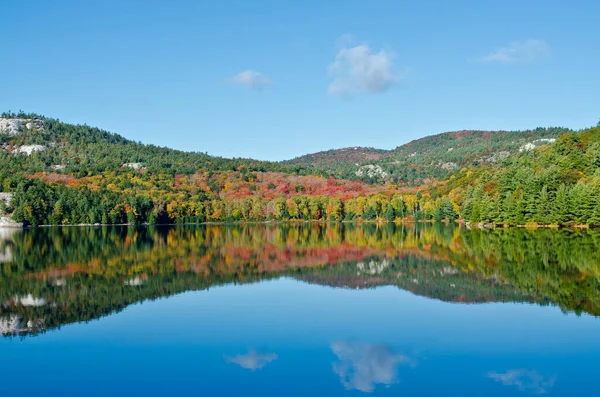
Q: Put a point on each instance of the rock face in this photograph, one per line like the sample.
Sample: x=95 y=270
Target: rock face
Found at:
x=371 y=171
x=449 y=166
x=28 y=149
x=6 y=197
x=527 y=147
x=538 y=142
x=6 y=221
x=11 y=126
x=135 y=166
x=495 y=157
x=15 y=126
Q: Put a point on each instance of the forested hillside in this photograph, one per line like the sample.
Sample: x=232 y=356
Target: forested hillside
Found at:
x=558 y=183
x=57 y=173
x=81 y=150
x=335 y=158
x=428 y=158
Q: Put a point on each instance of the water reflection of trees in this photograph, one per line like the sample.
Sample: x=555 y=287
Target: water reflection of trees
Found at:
x=84 y=273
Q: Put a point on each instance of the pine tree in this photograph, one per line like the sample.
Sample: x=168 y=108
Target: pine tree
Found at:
x=447 y=210
x=562 y=206
x=542 y=210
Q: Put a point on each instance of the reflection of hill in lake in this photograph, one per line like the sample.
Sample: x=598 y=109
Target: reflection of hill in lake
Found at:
x=64 y=275
x=427 y=278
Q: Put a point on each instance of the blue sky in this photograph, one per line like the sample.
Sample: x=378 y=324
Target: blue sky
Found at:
x=277 y=79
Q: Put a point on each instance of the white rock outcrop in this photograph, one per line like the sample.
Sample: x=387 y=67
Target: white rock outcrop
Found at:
x=6 y=197
x=371 y=171
x=14 y=126
x=538 y=142
x=449 y=166
x=527 y=147
x=28 y=149
x=135 y=166
x=6 y=221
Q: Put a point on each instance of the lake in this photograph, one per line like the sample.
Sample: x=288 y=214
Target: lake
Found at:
x=310 y=309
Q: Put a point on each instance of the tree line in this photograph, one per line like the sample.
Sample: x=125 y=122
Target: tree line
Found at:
x=39 y=203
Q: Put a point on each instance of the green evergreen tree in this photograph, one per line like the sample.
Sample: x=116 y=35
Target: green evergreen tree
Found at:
x=562 y=206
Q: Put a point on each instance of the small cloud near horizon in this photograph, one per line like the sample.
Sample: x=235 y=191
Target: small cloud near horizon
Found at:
x=251 y=79
x=358 y=69
x=526 y=51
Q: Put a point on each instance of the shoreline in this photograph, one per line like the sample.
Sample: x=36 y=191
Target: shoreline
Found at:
x=297 y=222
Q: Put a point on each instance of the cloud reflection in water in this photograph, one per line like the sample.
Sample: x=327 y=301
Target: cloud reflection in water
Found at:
x=524 y=380
x=363 y=366
x=252 y=360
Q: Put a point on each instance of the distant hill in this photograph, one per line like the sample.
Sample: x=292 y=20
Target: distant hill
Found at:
x=334 y=157
x=82 y=150
x=425 y=159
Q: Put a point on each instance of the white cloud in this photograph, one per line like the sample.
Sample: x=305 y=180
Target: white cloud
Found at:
x=359 y=70
x=251 y=79
x=524 y=380
x=519 y=52
x=363 y=366
x=252 y=360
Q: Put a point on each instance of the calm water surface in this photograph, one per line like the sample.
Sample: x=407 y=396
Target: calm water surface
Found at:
x=327 y=310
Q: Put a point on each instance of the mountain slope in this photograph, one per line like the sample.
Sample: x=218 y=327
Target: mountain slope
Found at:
x=68 y=174
x=57 y=173
x=333 y=157
x=85 y=151
x=428 y=158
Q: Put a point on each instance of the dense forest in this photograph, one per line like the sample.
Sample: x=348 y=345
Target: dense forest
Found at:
x=53 y=276
x=57 y=173
x=554 y=184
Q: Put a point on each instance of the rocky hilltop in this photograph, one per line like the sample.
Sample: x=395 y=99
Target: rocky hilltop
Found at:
x=14 y=126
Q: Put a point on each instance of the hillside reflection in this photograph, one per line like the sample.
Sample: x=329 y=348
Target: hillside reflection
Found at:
x=55 y=276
